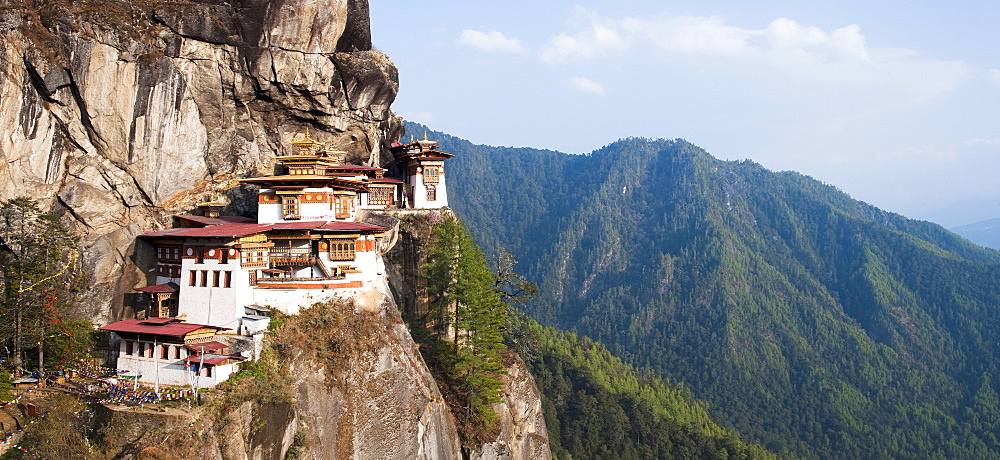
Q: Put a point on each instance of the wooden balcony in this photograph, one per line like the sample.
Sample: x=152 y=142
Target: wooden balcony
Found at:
x=289 y=259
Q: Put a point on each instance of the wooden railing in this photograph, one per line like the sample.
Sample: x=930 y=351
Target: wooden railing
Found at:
x=292 y=259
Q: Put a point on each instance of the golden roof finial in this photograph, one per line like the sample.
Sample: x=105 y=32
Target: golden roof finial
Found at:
x=307 y=142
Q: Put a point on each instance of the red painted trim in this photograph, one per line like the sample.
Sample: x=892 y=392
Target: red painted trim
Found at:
x=347 y=285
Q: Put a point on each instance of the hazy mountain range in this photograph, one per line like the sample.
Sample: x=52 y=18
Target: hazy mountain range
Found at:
x=985 y=233
x=813 y=323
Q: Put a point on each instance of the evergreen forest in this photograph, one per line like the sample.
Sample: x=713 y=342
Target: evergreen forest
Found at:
x=813 y=324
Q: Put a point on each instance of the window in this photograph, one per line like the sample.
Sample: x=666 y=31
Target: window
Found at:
x=208 y=370
x=192 y=278
x=177 y=352
x=253 y=277
x=199 y=255
x=225 y=255
x=431 y=193
x=342 y=250
x=290 y=207
x=215 y=278
x=204 y=278
x=431 y=174
x=342 y=206
x=380 y=195
x=164 y=351
x=227 y=279
x=128 y=347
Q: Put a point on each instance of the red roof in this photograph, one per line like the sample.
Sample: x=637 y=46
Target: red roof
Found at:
x=159 y=288
x=211 y=359
x=160 y=320
x=228 y=229
x=232 y=229
x=157 y=326
x=206 y=346
x=385 y=180
x=238 y=219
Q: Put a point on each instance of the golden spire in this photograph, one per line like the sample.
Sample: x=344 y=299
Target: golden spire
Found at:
x=307 y=143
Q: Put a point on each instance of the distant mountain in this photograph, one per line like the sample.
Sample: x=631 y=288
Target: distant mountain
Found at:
x=985 y=233
x=816 y=324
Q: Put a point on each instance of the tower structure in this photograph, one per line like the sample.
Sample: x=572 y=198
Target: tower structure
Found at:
x=423 y=165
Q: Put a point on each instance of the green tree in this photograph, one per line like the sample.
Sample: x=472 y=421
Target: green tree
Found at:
x=466 y=310
x=38 y=256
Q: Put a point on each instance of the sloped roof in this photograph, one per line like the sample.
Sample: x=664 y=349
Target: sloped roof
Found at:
x=228 y=229
x=158 y=326
x=233 y=230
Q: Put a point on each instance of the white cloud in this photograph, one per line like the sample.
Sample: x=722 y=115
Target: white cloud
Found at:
x=690 y=34
x=595 y=41
x=424 y=118
x=585 y=85
x=783 y=50
x=490 y=41
x=983 y=142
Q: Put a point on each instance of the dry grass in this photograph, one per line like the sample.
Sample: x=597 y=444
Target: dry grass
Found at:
x=331 y=333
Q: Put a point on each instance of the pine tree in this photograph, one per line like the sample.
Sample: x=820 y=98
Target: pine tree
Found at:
x=37 y=253
x=466 y=310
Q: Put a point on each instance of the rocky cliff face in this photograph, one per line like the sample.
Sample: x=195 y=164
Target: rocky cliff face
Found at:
x=117 y=113
x=356 y=388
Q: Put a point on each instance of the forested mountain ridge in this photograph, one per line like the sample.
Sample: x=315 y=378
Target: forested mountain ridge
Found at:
x=814 y=323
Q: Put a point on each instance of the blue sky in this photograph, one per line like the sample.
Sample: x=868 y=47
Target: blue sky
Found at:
x=896 y=103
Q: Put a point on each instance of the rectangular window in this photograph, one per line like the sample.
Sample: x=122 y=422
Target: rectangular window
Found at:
x=342 y=207
x=431 y=193
x=177 y=352
x=204 y=278
x=342 y=250
x=225 y=255
x=164 y=352
x=216 y=276
x=227 y=279
x=199 y=255
x=290 y=207
x=380 y=195
x=208 y=370
x=192 y=279
x=431 y=174
x=253 y=277
x=128 y=347
x=147 y=350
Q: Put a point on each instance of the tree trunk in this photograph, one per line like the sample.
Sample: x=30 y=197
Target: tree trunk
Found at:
x=16 y=359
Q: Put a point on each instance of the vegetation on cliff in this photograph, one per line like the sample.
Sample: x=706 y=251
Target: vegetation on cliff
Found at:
x=39 y=275
x=815 y=324
x=465 y=320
